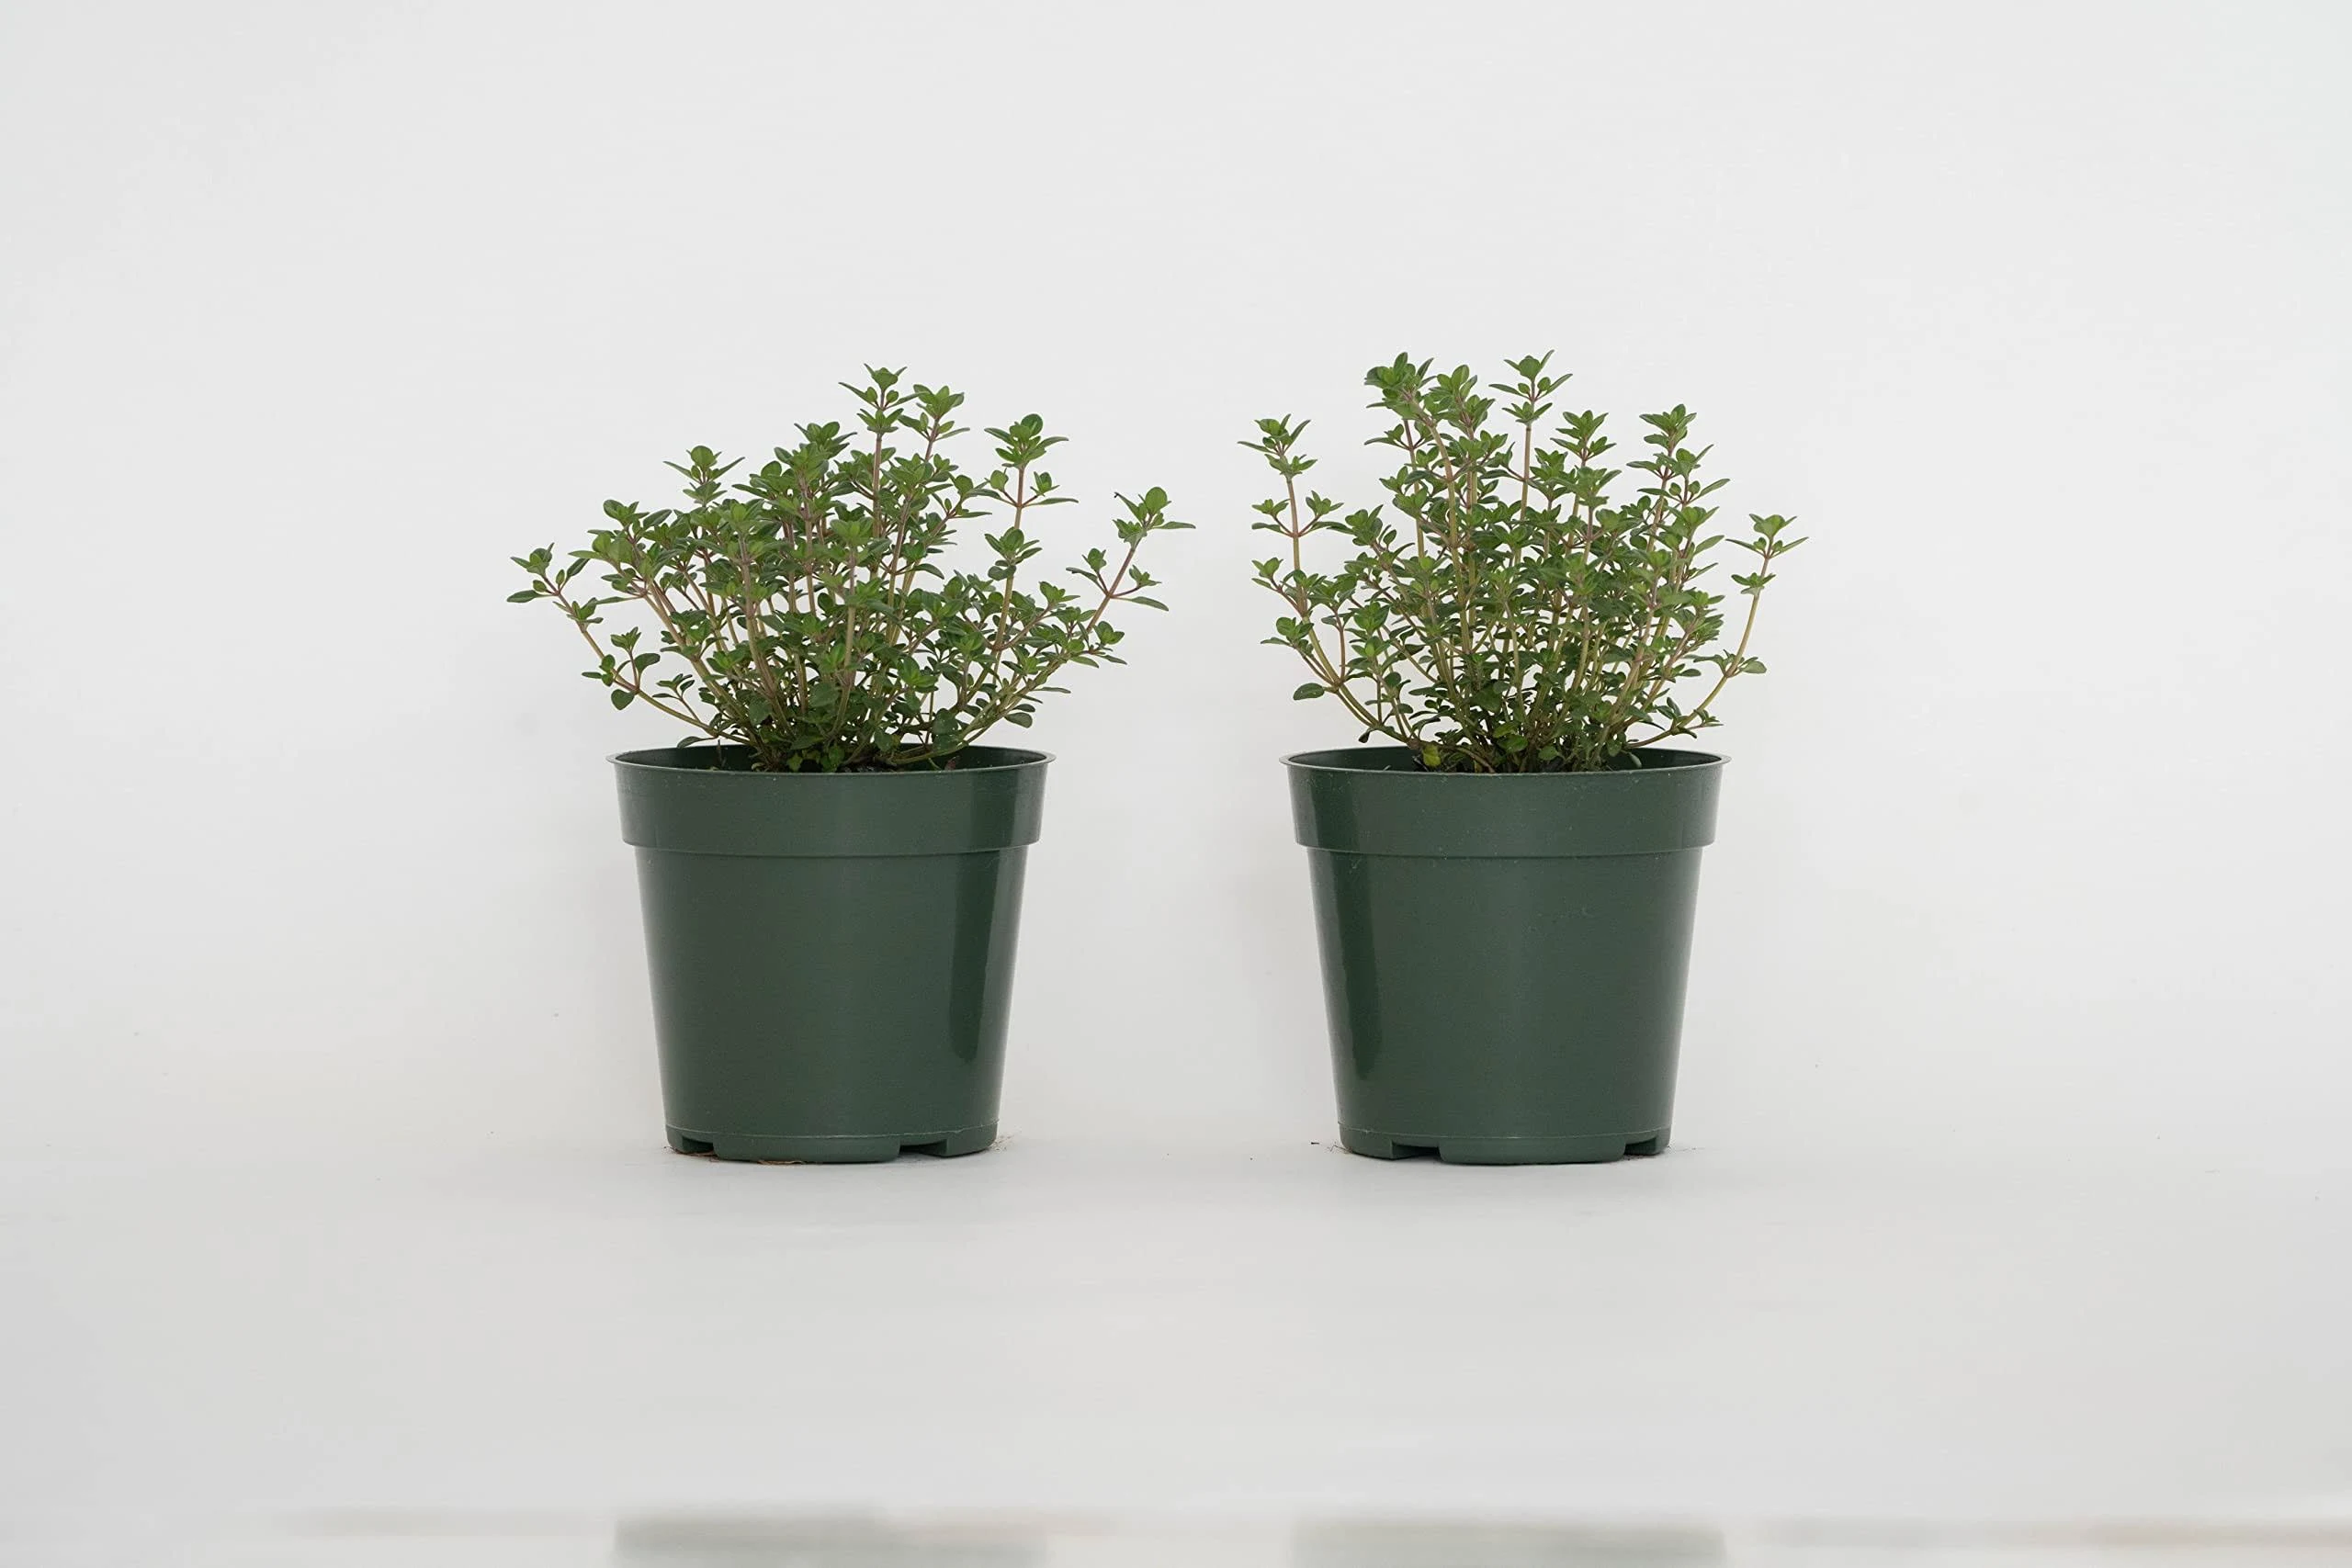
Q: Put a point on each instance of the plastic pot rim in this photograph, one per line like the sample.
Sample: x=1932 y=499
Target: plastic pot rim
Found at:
x=1015 y=757
x=1381 y=760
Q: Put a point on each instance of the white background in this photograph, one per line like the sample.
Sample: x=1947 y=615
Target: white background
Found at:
x=2035 y=316
x=2033 y=846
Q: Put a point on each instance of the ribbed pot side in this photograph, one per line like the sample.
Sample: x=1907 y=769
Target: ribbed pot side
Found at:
x=1504 y=954
x=831 y=953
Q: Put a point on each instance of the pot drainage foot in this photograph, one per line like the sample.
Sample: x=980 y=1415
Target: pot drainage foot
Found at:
x=967 y=1141
x=1379 y=1147
x=1580 y=1150
x=833 y=1150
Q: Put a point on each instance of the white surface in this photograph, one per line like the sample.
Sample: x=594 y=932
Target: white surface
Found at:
x=772 y=1541
x=1234 y=1333
x=326 y=1085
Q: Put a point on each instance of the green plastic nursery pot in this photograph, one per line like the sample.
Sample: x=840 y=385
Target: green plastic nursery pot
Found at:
x=1504 y=954
x=832 y=954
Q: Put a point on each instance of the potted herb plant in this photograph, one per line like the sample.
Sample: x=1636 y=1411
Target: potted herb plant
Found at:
x=1504 y=896
x=830 y=864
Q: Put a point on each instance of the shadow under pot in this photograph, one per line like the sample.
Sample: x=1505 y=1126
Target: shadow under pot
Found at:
x=831 y=953
x=1504 y=954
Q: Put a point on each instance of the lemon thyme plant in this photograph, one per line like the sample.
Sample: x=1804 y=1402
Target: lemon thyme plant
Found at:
x=1509 y=614
x=805 y=614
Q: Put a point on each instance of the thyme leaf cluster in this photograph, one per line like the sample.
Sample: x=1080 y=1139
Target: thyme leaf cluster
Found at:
x=1509 y=609
x=805 y=616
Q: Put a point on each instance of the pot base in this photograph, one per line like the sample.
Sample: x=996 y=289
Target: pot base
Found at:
x=1590 y=1149
x=832 y=1149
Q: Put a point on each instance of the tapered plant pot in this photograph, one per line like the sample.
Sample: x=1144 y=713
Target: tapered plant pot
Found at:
x=831 y=953
x=1504 y=954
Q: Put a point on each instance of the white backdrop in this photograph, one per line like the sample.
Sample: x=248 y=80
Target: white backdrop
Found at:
x=2035 y=315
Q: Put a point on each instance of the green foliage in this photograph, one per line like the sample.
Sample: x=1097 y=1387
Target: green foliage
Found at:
x=1510 y=616
x=806 y=614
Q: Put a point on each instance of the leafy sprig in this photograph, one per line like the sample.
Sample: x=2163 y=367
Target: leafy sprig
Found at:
x=1503 y=613
x=807 y=612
